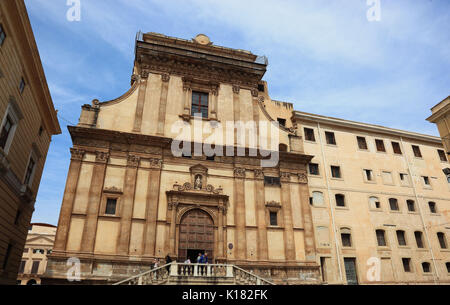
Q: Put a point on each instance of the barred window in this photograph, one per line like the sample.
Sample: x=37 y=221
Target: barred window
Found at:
x=380 y=145
x=396 y=148
x=442 y=155
x=200 y=103
x=362 y=144
x=273 y=219
x=381 y=240
x=111 y=204
x=313 y=168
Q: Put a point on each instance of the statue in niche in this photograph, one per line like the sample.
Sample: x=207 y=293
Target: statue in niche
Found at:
x=198 y=182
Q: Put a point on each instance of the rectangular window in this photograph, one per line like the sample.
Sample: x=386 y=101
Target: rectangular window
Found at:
x=22 y=85
x=426 y=180
x=200 y=103
x=335 y=171
x=29 y=172
x=272 y=181
x=432 y=206
x=313 y=169
x=404 y=179
x=6 y=131
x=380 y=238
x=22 y=267
x=393 y=203
x=281 y=121
x=273 y=219
x=396 y=148
x=411 y=205
x=2 y=35
x=442 y=155
x=111 y=205
x=368 y=174
x=309 y=135
x=380 y=145
x=416 y=151
x=346 y=239
x=330 y=138
x=401 y=238
x=419 y=241
x=442 y=240
x=35 y=267
x=406 y=264
x=362 y=144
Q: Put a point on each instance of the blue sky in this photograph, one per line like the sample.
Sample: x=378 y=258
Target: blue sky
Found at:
x=324 y=56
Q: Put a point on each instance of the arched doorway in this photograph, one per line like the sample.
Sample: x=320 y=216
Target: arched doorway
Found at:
x=196 y=235
x=32 y=282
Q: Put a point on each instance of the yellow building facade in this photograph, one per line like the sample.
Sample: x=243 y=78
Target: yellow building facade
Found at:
x=27 y=122
x=39 y=244
x=130 y=198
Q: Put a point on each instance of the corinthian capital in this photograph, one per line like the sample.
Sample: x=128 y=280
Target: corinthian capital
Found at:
x=77 y=154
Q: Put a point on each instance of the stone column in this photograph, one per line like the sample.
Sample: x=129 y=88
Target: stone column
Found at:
x=95 y=195
x=263 y=251
x=173 y=206
x=140 y=102
x=310 y=247
x=222 y=211
x=236 y=109
x=127 y=205
x=163 y=104
x=152 y=207
x=68 y=200
x=239 y=210
x=289 y=243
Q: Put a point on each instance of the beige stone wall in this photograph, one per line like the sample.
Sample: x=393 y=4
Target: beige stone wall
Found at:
x=363 y=219
x=120 y=114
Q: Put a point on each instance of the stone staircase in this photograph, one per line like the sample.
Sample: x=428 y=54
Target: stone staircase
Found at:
x=195 y=274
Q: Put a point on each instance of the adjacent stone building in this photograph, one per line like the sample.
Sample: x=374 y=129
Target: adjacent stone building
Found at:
x=27 y=122
x=343 y=198
x=39 y=244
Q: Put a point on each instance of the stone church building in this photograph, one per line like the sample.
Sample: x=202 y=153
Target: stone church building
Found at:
x=340 y=193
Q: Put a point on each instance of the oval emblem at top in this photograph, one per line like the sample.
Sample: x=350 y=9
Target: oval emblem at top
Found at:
x=202 y=39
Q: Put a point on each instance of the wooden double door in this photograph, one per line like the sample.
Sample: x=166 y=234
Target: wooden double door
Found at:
x=196 y=236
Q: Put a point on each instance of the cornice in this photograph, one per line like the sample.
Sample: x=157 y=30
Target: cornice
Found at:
x=298 y=115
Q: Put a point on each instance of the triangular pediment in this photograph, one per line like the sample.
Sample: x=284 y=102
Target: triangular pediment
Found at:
x=44 y=240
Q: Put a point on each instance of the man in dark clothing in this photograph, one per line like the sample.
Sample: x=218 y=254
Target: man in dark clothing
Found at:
x=168 y=261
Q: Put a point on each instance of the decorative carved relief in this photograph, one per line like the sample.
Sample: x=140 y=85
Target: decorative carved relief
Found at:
x=172 y=205
x=259 y=174
x=101 y=157
x=133 y=161
x=239 y=172
x=77 y=154
x=255 y=92
x=155 y=163
x=273 y=205
x=285 y=177
x=302 y=178
x=261 y=99
x=145 y=73
x=165 y=77
x=236 y=89
x=112 y=190
x=187 y=186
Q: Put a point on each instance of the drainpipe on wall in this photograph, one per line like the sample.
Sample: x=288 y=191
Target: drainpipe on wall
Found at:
x=435 y=274
x=338 y=258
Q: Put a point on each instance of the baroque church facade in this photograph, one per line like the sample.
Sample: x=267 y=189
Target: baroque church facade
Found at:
x=313 y=217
